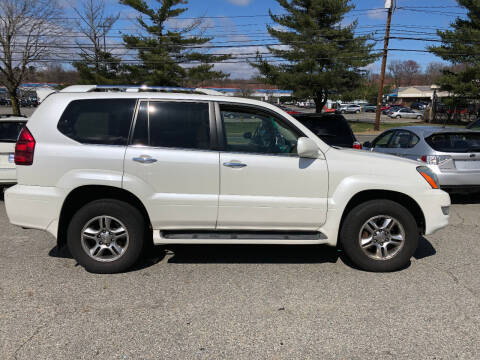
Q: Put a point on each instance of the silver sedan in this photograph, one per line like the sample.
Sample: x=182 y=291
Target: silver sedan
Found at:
x=406 y=113
x=452 y=153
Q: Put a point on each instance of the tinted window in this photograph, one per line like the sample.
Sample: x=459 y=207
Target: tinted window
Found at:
x=382 y=140
x=98 y=121
x=9 y=131
x=140 y=133
x=332 y=129
x=179 y=125
x=455 y=142
x=403 y=140
x=255 y=131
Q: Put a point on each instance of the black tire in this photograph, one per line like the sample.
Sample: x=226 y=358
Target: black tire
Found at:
x=357 y=112
x=358 y=216
x=419 y=117
x=131 y=218
x=398 y=117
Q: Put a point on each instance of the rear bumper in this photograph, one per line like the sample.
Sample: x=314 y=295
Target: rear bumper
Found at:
x=431 y=203
x=8 y=176
x=35 y=207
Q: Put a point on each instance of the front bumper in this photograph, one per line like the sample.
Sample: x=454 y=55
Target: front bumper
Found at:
x=431 y=202
x=35 y=207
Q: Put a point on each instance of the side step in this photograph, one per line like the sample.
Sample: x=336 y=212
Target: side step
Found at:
x=237 y=237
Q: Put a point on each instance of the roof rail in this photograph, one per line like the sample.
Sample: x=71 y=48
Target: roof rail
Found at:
x=138 y=88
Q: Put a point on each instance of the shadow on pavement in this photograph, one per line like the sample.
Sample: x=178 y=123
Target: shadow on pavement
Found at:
x=249 y=254
x=425 y=249
x=465 y=198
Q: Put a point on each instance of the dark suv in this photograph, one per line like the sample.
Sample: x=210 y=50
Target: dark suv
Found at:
x=331 y=128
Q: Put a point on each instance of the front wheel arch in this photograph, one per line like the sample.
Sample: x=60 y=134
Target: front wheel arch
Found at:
x=395 y=196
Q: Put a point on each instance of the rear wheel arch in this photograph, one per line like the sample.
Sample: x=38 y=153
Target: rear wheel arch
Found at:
x=83 y=195
x=398 y=197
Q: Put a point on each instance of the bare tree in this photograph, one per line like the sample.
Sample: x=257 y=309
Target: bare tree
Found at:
x=29 y=33
x=94 y=25
x=404 y=73
x=433 y=72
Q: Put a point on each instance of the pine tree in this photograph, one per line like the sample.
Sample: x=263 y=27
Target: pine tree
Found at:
x=320 y=57
x=461 y=47
x=163 y=50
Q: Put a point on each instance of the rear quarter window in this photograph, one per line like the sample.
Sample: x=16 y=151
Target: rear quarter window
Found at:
x=98 y=121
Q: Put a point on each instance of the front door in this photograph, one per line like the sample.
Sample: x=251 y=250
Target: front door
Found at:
x=264 y=185
x=170 y=166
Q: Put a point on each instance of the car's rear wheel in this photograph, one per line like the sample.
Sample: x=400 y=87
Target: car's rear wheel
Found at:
x=398 y=117
x=379 y=235
x=419 y=117
x=106 y=236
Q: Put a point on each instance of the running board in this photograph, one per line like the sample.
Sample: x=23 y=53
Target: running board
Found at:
x=237 y=237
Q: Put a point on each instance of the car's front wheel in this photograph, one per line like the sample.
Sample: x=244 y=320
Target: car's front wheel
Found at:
x=379 y=235
x=398 y=117
x=419 y=117
x=106 y=236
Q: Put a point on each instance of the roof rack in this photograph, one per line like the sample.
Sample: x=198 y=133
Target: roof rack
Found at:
x=138 y=88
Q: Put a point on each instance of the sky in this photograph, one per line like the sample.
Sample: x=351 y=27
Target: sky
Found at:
x=242 y=22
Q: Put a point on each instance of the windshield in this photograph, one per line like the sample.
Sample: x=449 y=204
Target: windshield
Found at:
x=455 y=142
x=9 y=130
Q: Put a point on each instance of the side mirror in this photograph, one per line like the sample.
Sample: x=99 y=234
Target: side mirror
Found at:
x=247 y=135
x=306 y=148
x=367 y=144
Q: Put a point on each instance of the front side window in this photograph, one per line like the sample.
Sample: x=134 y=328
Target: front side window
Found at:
x=255 y=131
x=383 y=140
x=98 y=121
x=183 y=125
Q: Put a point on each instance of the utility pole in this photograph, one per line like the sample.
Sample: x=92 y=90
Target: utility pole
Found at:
x=389 y=5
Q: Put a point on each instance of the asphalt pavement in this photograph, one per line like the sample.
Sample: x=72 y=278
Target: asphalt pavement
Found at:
x=243 y=302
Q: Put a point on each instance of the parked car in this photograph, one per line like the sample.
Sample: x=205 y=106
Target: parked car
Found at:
x=288 y=110
x=453 y=154
x=370 y=108
x=350 y=109
x=10 y=127
x=108 y=172
x=405 y=113
x=418 y=106
x=5 y=101
x=474 y=125
x=331 y=128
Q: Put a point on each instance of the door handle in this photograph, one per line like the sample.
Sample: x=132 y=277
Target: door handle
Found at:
x=237 y=165
x=144 y=159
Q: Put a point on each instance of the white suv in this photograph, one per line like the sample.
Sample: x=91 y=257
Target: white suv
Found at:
x=109 y=172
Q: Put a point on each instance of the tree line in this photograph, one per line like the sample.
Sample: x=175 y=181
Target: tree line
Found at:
x=319 y=57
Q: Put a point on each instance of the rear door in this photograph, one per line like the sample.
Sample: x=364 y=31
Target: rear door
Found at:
x=171 y=165
x=264 y=185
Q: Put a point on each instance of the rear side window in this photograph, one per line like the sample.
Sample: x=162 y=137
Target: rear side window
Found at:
x=9 y=131
x=404 y=140
x=98 y=121
x=455 y=142
x=184 y=125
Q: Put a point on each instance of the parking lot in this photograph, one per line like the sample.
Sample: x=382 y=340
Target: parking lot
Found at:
x=243 y=302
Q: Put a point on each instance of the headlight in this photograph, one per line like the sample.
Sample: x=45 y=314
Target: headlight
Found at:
x=429 y=176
